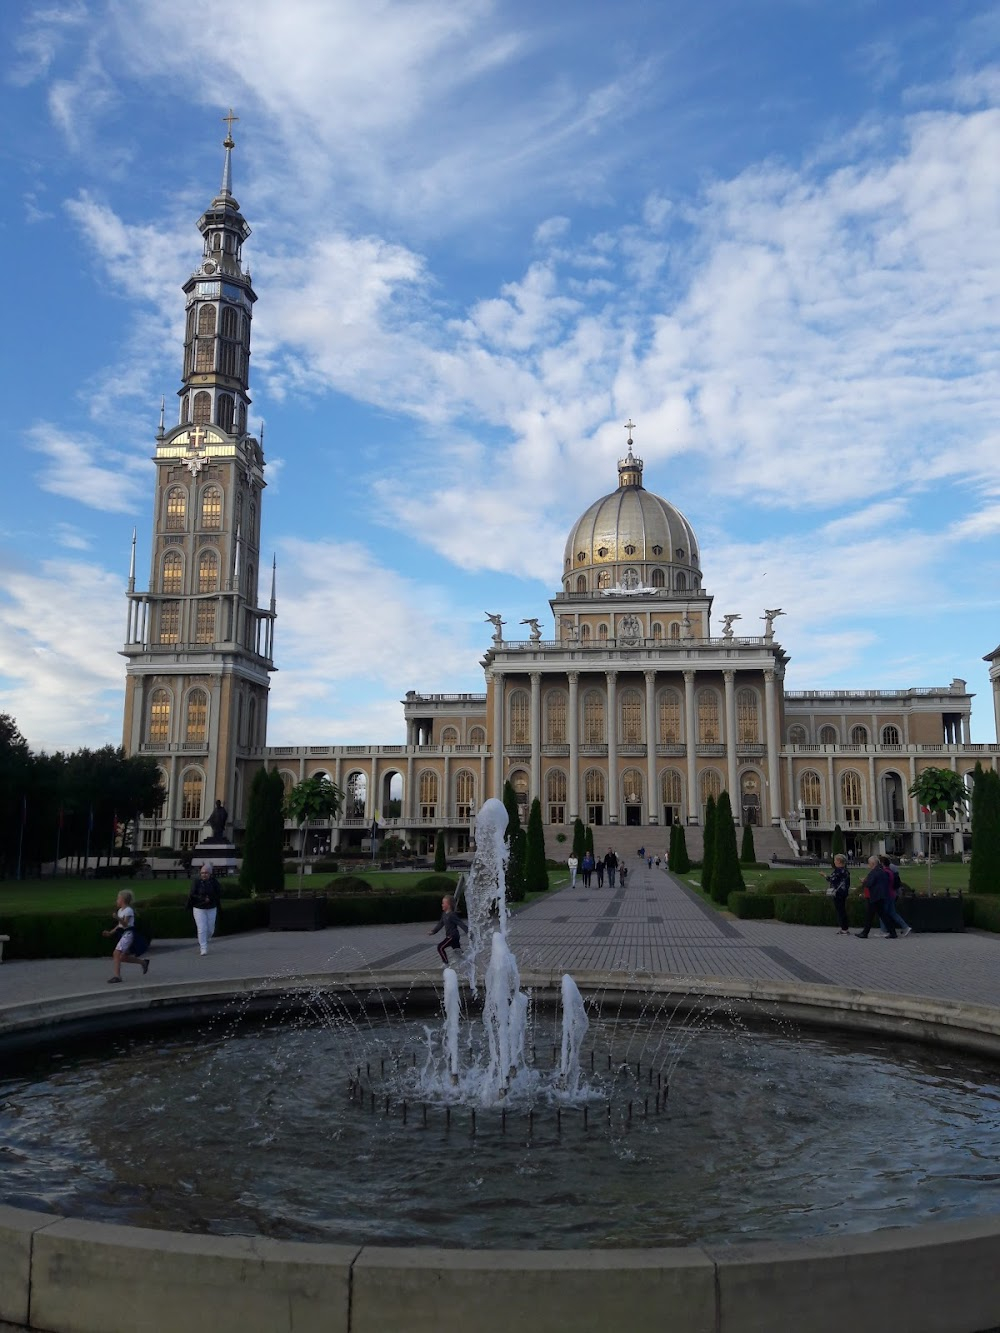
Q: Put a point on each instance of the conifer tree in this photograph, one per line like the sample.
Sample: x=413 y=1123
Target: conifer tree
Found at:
x=515 y=842
x=680 y=862
x=748 y=853
x=579 y=837
x=727 y=877
x=708 y=854
x=837 y=842
x=536 y=877
x=253 y=833
x=590 y=840
x=984 y=871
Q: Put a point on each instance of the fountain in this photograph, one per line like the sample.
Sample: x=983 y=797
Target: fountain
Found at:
x=492 y=1144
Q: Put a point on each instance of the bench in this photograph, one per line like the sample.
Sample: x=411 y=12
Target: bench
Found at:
x=4 y=939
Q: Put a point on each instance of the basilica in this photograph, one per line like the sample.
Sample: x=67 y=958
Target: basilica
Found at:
x=629 y=714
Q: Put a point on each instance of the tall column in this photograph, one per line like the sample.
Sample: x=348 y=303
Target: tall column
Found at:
x=410 y=804
x=536 y=735
x=729 y=677
x=691 y=741
x=498 y=735
x=652 y=797
x=573 y=724
x=773 y=775
x=614 y=805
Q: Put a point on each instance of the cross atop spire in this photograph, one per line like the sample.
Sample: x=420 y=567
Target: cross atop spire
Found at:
x=630 y=467
x=630 y=427
x=228 y=144
x=228 y=120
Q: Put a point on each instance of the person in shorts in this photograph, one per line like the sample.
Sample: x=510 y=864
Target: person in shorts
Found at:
x=126 y=932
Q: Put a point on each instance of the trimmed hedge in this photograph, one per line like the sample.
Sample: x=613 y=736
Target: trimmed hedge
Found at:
x=751 y=906
x=981 y=912
x=78 y=934
x=435 y=884
x=810 y=909
x=776 y=887
x=381 y=911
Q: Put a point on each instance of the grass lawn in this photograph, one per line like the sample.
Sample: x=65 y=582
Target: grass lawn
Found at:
x=950 y=875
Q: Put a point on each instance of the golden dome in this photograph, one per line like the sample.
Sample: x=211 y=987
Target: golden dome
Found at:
x=631 y=538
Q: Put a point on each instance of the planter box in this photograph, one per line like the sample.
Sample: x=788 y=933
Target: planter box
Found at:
x=932 y=914
x=290 y=912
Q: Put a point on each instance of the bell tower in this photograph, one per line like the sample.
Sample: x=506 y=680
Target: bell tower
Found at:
x=198 y=646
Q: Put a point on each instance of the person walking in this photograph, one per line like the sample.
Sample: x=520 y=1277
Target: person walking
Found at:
x=875 y=886
x=204 y=900
x=573 y=864
x=599 y=867
x=895 y=887
x=622 y=873
x=587 y=868
x=839 y=880
x=611 y=865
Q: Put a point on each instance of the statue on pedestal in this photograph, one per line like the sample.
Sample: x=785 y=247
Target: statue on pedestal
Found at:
x=217 y=822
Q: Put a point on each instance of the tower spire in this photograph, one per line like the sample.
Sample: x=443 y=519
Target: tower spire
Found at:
x=629 y=467
x=228 y=144
x=274 y=577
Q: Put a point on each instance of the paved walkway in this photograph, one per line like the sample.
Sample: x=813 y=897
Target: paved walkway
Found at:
x=655 y=925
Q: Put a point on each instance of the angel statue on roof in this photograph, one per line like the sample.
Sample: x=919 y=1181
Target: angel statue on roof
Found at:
x=727 y=625
x=536 y=629
x=498 y=625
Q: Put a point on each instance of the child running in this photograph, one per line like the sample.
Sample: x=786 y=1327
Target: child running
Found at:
x=451 y=923
x=126 y=932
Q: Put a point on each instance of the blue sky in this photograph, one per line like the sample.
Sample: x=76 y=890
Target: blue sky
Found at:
x=484 y=236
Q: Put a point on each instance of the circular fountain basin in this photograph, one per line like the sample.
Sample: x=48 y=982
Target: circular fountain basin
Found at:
x=432 y=1209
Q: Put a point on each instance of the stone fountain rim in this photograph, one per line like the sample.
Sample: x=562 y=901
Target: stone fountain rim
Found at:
x=945 y=1265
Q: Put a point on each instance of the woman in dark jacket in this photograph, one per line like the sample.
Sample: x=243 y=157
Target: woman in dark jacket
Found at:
x=204 y=900
x=839 y=880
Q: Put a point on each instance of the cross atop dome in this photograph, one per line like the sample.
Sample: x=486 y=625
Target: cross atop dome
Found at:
x=630 y=467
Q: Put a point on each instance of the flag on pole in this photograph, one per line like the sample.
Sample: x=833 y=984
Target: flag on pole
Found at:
x=925 y=809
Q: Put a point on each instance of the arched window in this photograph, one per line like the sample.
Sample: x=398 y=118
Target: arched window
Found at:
x=449 y=736
x=208 y=571
x=555 y=718
x=519 y=783
x=170 y=622
x=604 y=579
x=204 y=629
x=657 y=632
x=172 y=579
x=428 y=794
x=796 y=735
x=851 y=790
x=811 y=795
x=708 y=717
x=287 y=782
x=585 y=633
x=671 y=790
x=581 y=583
x=185 y=410
x=465 y=794
x=859 y=735
x=224 y=411
x=192 y=789
x=681 y=583
x=657 y=579
x=593 y=718
x=555 y=795
x=159 y=717
x=594 y=795
x=747 y=717
x=477 y=736
x=252 y=723
x=828 y=735
x=709 y=784
x=202 y=408
x=675 y=630
x=632 y=787
x=520 y=711
x=890 y=735
x=211 y=508
x=196 y=722
x=356 y=795
x=631 y=718
x=204 y=356
x=176 y=509
x=670 y=718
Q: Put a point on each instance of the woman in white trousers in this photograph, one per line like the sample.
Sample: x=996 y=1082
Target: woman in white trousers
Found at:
x=203 y=901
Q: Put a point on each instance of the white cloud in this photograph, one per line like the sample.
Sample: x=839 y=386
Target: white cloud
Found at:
x=84 y=469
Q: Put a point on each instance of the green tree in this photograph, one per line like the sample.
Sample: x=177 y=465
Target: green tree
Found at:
x=680 y=861
x=440 y=860
x=516 y=843
x=984 y=870
x=939 y=791
x=536 y=877
x=708 y=852
x=837 y=841
x=262 y=868
x=727 y=877
x=590 y=840
x=748 y=853
x=579 y=838
x=309 y=800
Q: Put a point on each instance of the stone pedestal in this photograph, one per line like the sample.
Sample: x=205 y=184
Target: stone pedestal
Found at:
x=220 y=851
